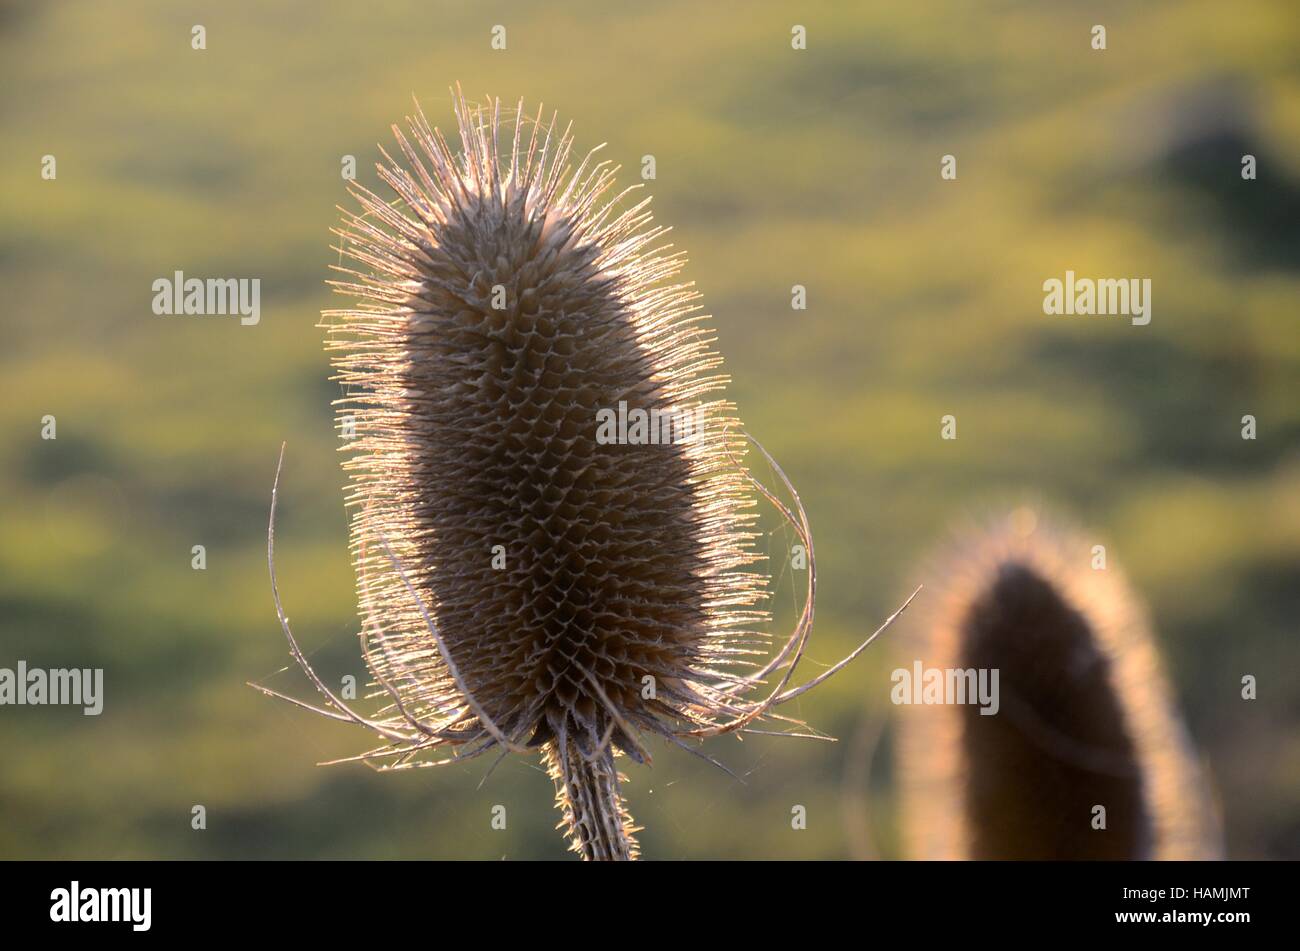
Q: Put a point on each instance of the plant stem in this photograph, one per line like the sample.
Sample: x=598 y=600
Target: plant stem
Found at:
x=597 y=823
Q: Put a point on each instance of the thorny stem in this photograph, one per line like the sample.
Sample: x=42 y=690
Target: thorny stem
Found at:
x=586 y=791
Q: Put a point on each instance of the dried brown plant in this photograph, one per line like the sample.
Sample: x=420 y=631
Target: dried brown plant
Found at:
x=1086 y=715
x=523 y=586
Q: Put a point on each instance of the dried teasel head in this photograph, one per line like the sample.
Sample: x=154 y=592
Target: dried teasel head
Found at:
x=524 y=584
x=1085 y=717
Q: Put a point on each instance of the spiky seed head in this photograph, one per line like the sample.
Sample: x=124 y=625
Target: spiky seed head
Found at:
x=1085 y=714
x=523 y=583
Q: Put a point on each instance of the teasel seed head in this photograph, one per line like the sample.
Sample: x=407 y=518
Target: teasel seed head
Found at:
x=1085 y=716
x=524 y=585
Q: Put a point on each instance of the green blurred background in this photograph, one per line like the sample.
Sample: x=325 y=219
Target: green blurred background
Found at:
x=775 y=167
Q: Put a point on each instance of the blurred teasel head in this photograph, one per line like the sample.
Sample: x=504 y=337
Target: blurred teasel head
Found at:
x=1086 y=756
x=552 y=523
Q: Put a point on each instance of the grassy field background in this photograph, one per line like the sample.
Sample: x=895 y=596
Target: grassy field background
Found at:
x=775 y=167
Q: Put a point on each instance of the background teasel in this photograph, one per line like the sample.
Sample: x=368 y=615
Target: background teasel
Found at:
x=523 y=586
x=1086 y=716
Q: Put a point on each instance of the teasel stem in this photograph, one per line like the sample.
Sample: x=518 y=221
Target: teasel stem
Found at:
x=595 y=819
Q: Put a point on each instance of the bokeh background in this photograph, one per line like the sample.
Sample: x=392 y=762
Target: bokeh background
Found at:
x=775 y=167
